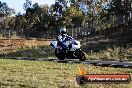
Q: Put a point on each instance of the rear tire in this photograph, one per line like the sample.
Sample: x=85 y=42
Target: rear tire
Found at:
x=60 y=54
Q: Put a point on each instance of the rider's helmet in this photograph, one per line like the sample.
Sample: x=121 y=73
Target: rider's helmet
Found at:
x=63 y=31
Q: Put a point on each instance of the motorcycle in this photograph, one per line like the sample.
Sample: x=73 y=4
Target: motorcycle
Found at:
x=73 y=52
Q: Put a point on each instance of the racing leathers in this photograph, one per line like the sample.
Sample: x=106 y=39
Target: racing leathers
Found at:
x=61 y=41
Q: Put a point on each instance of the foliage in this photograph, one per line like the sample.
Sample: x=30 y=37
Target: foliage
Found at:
x=5 y=10
x=40 y=21
x=27 y=4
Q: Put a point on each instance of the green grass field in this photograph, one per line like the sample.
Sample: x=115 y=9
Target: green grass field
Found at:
x=42 y=74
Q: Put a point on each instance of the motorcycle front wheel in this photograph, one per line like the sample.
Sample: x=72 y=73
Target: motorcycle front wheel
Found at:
x=80 y=55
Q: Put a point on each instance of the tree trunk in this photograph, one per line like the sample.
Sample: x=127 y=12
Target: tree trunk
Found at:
x=9 y=36
x=131 y=12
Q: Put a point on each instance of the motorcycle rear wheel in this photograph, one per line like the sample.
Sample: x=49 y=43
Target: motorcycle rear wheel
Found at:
x=60 y=54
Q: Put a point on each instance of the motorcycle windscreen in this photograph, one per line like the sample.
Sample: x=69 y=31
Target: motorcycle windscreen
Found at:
x=54 y=43
x=74 y=47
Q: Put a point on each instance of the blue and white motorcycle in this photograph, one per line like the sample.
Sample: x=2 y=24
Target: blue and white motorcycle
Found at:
x=73 y=52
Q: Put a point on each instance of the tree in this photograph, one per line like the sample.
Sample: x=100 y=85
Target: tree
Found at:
x=27 y=4
x=5 y=10
x=37 y=19
x=20 y=24
x=120 y=7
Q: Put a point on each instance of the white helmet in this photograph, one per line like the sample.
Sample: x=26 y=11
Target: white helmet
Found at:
x=63 y=30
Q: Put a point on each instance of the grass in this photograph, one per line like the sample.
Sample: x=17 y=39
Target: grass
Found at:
x=26 y=48
x=116 y=54
x=34 y=52
x=42 y=74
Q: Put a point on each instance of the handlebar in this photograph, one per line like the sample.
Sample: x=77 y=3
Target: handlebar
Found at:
x=69 y=38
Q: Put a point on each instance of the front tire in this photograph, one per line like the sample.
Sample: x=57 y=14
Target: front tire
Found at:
x=60 y=54
x=80 y=55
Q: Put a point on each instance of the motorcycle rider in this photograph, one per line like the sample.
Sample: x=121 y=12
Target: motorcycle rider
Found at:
x=61 y=38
